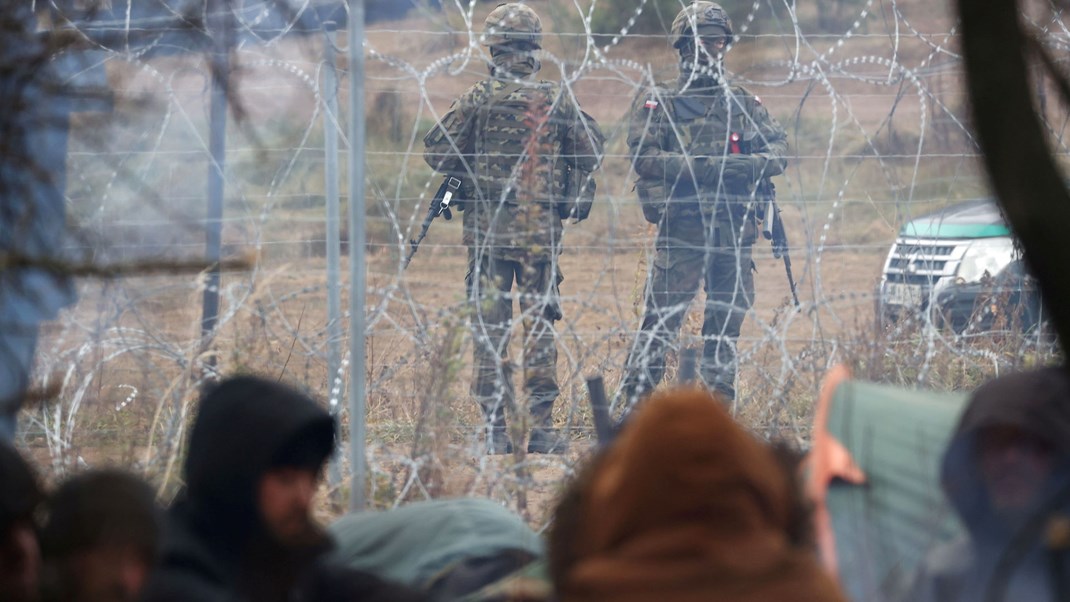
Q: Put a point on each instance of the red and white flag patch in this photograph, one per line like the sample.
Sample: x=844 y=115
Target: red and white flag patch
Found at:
x=650 y=104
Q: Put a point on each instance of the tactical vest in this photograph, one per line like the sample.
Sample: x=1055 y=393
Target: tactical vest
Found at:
x=515 y=161
x=699 y=126
x=709 y=126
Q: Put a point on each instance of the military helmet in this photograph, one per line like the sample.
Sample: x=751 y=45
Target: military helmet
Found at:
x=708 y=18
x=512 y=22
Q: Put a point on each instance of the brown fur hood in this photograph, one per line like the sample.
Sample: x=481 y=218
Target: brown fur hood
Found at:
x=686 y=505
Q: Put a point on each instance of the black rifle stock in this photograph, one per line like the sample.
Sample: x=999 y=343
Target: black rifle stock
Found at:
x=603 y=424
x=773 y=230
x=440 y=205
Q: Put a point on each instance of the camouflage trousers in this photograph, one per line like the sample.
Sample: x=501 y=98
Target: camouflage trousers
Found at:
x=717 y=255
x=490 y=292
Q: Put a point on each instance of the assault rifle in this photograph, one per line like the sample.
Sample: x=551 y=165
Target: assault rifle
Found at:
x=605 y=428
x=773 y=230
x=440 y=205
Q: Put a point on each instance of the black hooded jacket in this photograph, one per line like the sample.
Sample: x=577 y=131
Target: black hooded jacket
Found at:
x=1035 y=402
x=215 y=546
x=20 y=492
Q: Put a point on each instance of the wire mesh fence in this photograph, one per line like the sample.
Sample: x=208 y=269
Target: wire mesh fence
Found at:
x=872 y=103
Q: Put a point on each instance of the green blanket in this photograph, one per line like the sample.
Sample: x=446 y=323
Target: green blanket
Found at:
x=417 y=542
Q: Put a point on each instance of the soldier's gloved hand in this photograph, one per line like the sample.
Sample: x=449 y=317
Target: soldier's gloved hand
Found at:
x=436 y=206
x=739 y=170
x=673 y=166
x=748 y=169
x=585 y=187
x=708 y=170
x=768 y=167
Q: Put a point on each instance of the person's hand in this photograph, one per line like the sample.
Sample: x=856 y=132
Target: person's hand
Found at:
x=708 y=170
x=739 y=170
x=438 y=209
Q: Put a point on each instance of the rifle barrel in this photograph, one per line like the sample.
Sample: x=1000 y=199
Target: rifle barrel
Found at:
x=414 y=243
x=791 y=278
x=432 y=212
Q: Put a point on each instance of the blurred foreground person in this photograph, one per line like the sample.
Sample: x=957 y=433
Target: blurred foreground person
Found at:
x=447 y=548
x=20 y=556
x=685 y=505
x=100 y=539
x=242 y=529
x=1006 y=475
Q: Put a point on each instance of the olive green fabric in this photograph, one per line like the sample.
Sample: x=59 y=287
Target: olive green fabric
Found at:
x=490 y=293
x=884 y=528
x=723 y=268
x=672 y=129
x=418 y=542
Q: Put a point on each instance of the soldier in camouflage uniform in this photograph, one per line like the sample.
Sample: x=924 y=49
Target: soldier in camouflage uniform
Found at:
x=700 y=147
x=525 y=153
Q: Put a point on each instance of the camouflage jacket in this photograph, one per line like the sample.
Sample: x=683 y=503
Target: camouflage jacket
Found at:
x=668 y=129
x=525 y=153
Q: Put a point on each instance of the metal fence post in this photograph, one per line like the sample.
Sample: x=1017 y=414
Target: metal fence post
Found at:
x=335 y=382
x=357 y=283
x=217 y=148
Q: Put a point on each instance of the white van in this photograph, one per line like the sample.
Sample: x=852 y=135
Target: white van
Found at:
x=959 y=267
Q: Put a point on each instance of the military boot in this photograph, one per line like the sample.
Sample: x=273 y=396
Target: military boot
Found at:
x=498 y=441
x=547 y=440
x=726 y=393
